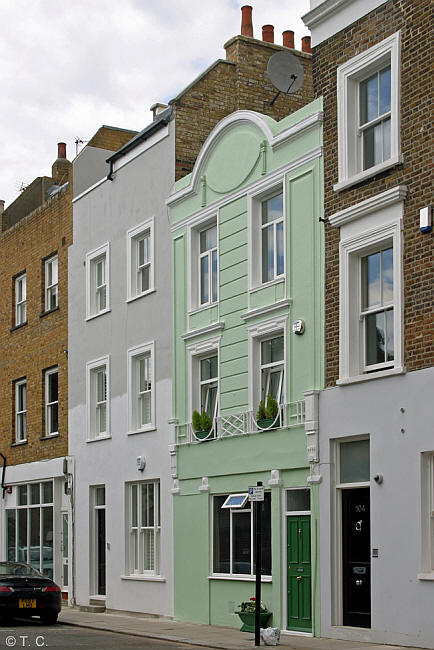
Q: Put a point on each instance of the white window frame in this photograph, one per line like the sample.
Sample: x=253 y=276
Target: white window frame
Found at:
x=196 y=353
x=256 y=334
x=264 y=367
x=23 y=553
x=134 y=355
x=134 y=236
x=21 y=299
x=254 y=207
x=49 y=405
x=208 y=254
x=206 y=384
x=51 y=288
x=273 y=224
x=92 y=369
x=349 y=76
x=427 y=474
x=375 y=231
x=92 y=259
x=20 y=415
x=136 y=531
x=193 y=263
x=365 y=312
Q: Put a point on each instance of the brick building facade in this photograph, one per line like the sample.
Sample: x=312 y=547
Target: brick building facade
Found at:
x=371 y=65
x=36 y=233
x=414 y=21
x=38 y=339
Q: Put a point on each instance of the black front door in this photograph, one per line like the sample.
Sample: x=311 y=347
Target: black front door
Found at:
x=356 y=557
x=100 y=519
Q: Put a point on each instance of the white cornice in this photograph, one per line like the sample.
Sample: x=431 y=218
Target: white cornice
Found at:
x=229 y=122
x=374 y=203
x=331 y=16
x=208 y=329
x=323 y=11
x=260 y=311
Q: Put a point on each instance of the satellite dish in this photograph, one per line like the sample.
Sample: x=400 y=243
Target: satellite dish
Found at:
x=285 y=73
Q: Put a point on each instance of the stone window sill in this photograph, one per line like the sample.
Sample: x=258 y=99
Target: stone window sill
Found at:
x=48 y=311
x=17 y=327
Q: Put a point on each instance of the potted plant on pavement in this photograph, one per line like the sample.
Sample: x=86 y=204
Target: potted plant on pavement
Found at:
x=202 y=424
x=266 y=415
x=247 y=615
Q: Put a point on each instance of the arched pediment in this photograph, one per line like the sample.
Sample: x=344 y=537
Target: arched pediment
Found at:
x=230 y=154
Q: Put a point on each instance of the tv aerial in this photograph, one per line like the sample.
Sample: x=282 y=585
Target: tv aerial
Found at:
x=285 y=73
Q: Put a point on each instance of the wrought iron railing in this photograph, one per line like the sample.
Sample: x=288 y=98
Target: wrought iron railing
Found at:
x=239 y=424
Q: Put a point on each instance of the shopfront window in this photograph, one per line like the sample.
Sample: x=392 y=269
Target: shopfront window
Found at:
x=30 y=527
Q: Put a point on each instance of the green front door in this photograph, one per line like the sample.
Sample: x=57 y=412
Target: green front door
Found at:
x=299 y=574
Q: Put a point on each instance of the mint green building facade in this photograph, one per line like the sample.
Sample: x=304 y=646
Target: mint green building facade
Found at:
x=248 y=324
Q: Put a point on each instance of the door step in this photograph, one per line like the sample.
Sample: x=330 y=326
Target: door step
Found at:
x=93 y=609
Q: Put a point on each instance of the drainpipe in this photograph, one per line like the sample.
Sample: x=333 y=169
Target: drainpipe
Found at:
x=110 y=175
x=3 y=475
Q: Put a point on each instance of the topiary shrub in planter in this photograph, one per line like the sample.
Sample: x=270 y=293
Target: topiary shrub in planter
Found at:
x=266 y=416
x=202 y=424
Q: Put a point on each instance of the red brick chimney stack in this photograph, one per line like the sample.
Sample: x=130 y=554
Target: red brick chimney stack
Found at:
x=61 y=150
x=305 y=44
x=246 y=21
x=288 y=38
x=61 y=167
x=268 y=33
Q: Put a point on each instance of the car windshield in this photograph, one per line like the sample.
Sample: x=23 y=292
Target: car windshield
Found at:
x=17 y=569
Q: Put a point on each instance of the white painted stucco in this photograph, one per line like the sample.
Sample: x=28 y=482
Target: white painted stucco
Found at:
x=105 y=214
x=329 y=17
x=396 y=414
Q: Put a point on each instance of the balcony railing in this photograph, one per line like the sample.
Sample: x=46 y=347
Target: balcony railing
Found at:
x=239 y=424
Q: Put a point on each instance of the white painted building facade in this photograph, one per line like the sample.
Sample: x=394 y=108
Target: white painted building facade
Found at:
x=120 y=375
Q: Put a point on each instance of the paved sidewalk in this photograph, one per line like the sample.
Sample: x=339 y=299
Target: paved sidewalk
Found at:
x=223 y=638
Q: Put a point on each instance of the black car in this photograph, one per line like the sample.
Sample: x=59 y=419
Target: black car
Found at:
x=26 y=592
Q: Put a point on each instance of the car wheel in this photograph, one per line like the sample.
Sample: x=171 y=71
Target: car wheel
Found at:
x=49 y=618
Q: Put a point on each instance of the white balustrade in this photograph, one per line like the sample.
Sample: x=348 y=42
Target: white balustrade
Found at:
x=238 y=424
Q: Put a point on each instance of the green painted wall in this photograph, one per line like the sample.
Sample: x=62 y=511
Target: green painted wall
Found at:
x=234 y=164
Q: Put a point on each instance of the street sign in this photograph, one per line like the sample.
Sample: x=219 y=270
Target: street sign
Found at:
x=256 y=493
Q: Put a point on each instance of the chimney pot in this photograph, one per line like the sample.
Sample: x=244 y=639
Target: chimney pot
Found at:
x=2 y=206
x=268 y=33
x=246 y=21
x=288 y=38
x=305 y=44
x=61 y=150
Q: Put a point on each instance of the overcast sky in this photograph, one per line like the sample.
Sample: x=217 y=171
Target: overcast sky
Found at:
x=68 y=67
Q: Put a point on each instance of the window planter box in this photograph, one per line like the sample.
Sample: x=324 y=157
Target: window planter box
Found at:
x=203 y=435
x=266 y=423
x=248 y=620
